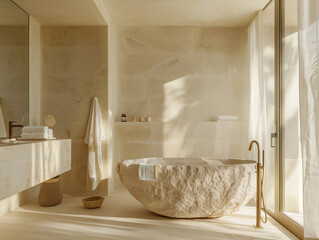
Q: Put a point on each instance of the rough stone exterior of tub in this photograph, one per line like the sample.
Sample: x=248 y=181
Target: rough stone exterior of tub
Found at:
x=192 y=191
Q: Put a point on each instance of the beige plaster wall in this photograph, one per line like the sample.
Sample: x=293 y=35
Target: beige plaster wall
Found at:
x=74 y=70
x=181 y=77
x=14 y=94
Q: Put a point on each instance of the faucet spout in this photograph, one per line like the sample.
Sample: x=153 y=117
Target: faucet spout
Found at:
x=11 y=126
x=251 y=145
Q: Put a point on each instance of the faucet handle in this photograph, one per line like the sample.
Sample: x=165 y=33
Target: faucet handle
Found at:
x=10 y=122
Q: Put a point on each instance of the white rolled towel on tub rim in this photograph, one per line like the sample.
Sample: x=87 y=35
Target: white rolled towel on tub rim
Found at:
x=147 y=172
x=228 y=118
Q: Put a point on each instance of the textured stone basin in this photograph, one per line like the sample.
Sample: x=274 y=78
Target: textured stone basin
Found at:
x=191 y=187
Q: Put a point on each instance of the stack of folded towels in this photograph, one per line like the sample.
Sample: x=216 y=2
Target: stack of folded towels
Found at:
x=37 y=132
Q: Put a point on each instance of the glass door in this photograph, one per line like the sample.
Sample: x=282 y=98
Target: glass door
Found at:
x=283 y=166
x=291 y=192
x=284 y=187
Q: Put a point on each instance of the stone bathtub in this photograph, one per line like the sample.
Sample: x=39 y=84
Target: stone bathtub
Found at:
x=191 y=187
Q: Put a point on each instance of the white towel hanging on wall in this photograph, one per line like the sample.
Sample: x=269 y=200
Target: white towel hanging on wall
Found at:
x=94 y=136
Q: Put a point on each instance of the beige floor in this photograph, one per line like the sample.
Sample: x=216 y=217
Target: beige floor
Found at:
x=122 y=217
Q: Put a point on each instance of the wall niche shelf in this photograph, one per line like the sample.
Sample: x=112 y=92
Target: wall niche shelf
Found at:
x=179 y=121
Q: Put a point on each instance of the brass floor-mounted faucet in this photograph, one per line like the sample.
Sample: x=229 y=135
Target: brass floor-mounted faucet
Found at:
x=260 y=181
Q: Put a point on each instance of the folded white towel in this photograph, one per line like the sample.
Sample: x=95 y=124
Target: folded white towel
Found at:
x=35 y=129
x=224 y=118
x=50 y=133
x=228 y=118
x=35 y=135
x=147 y=172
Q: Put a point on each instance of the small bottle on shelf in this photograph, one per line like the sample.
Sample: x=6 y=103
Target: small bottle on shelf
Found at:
x=141 y=119
x=123 y=118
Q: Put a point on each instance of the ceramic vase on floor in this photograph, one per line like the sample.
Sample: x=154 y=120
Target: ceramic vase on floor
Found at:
x=50 y=193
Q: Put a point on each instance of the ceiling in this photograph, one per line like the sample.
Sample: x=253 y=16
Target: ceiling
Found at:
x=63 y=12
x=10 y=14
x=213 y=13
x=210 y=13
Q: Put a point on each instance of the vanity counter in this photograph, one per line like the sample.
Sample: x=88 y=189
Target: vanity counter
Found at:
x=27 y=163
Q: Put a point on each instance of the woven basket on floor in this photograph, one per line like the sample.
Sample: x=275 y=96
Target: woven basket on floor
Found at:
x=92 y=202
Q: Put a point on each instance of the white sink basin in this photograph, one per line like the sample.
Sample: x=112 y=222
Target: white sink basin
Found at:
x=8 y=142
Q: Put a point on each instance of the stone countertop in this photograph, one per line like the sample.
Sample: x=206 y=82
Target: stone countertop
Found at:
x=28 y=164
x=27 y=141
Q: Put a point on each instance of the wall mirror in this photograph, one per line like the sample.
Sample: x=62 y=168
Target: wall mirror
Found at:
x=14 y=67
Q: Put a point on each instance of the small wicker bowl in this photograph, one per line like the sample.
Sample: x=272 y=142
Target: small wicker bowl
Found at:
x=92 y=202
